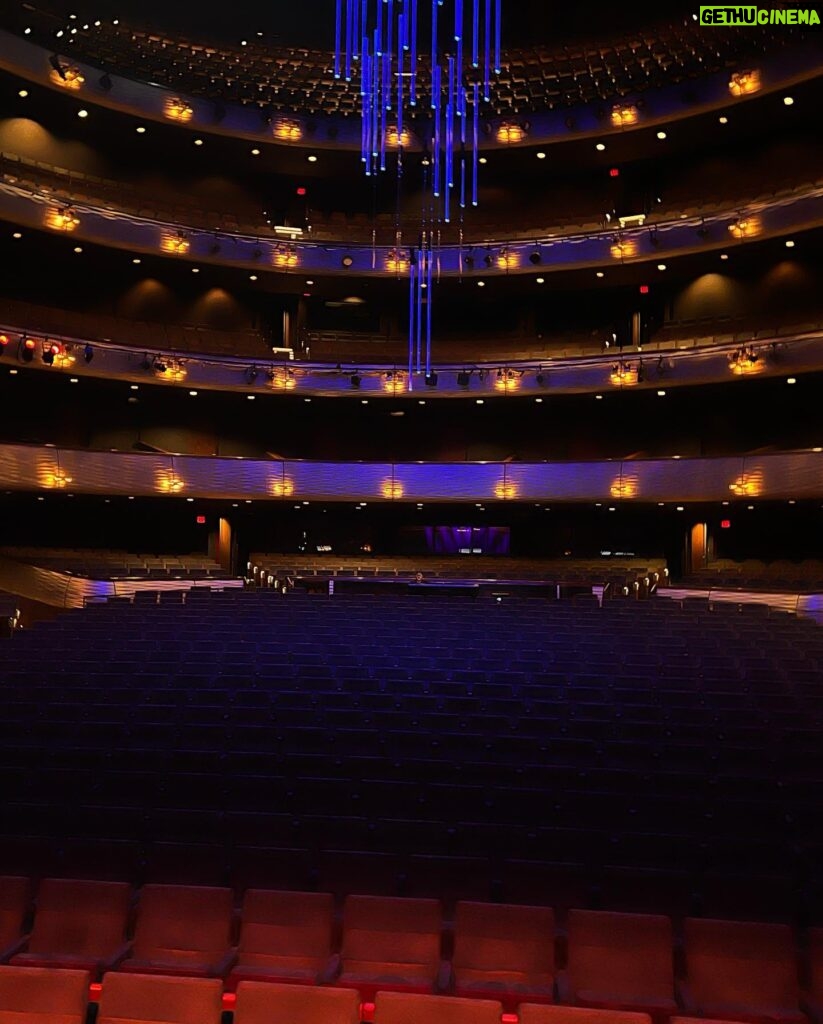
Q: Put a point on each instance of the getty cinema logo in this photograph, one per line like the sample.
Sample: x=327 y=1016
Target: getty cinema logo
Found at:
x=758 y=16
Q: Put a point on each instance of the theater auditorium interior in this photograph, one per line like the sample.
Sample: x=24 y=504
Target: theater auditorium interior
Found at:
x=411 y=490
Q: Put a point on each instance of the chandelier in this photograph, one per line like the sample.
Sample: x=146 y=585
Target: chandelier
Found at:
x=381 y=44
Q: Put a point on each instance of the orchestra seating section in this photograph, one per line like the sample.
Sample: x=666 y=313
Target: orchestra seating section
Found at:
x=100 y=564
x=752 y=574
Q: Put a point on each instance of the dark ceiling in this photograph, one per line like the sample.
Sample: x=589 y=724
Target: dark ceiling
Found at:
x=311 y=22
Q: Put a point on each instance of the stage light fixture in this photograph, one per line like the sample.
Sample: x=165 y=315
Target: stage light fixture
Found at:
x=251 y=374
x=355 y=380
x=106 y=83
x=347 y=261
x=463 y=379
x=431 y=380
x=88 y=353
x=4 y=341
x=49 y=354
x=145 y=362
x=535 y=258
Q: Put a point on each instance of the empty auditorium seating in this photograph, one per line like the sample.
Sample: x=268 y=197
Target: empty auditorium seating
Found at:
x=78 y=924
x=407 y=1008
x=619 y=961
x=264 y=1003
x=39 y=995
x=146 y=999
x=182 y=930
x=738 y=970
x=284 y=936
x=504 y=952
x=813 y=997
x=391 y=943
x=14 y=899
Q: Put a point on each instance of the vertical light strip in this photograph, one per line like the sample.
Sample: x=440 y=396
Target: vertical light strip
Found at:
x=338 y=18
x=475 y=33
x=498 y=6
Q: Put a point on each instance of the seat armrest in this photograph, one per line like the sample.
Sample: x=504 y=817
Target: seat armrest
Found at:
x=117 y=958
x=226 y=962
x=15 y=948
x=444 y=977
x=564 y=989
x=331 y=972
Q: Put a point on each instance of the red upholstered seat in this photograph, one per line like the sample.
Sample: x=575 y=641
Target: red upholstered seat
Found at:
x=738 y=970
x=619 y=962
x=14 y=898
x=532 y=1013
x=147 y=999
x=814 y=999
x=182 y=929
x=265 y=1003
x=390 y=943
x=77 y=924
x=285 y=936
x=37 y=995
x=504 y=952
x=412 y=1008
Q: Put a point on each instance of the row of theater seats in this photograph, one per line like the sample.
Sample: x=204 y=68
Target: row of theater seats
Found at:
x=60 y=997
x=510 y=954
x=105 y=564
x=753 y=574
x=633 y=735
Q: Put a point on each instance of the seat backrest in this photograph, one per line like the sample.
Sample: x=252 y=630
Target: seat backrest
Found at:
x=504 y=937
x=741 y=962
x=541 y=1013
x=182 y=917
x=391 y=929
x=43 y=996
x=14 y=898
x=83 y=918
x=261 y=1003
x=286 y=923
x=624 y=954
x=136 y=998
x=405 y=1008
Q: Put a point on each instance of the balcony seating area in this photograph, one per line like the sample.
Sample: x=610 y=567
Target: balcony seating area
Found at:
x=282 y=79
x=752 y=574
x=100 y=564
x=401 y=960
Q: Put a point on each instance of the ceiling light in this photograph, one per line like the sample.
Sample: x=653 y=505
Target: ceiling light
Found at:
x=789 y=243
x=74 y=380
x=724 y=255
x=481 y=284
x=788 y=101
x=82 y=113
x=312 y=158
x=791 y=380
x=599 y=398
x=78 y=249
x=195 y=270
x=661 y=266
x=600 y=147
x=252 y=277
x=483 y=160
x=479 y=401
x=193 y=394
x=250 y=398
x=255 y=152
x=17 y=234
x=661 y=394
x=723 y=119
x=137 y=261
x=661 y=135
x=541 y=156
x=23 y=93
x=599 y=274
x=198 y=142
x=140 y=130
x=541 y=280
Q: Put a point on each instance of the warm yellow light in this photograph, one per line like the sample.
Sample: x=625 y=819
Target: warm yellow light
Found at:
x=623 y=115
x=178 y=110
x=747 y=485
x=394 y=383
x=623 y=375
x=397 y=261
x=282 y=380
x=511 y=133
x=746 y=361
x=508 y=260
x=623 y=249
x=56 y=479
x=170 y=483
x=179 y=245
x=624 y=487
x=507 y=380
x=744 y=83
x=65 y=357
x=62 y=218
x=395 y=139
x=505 y=491
x=285 y=257
x=746 y=227
x=287 y=130
x=283 y=488
x=391 y=489
x=71 y=78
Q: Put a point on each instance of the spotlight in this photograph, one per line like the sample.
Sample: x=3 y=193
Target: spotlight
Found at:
x=487 y=259
x=145 y=363
x=463 y=379
x=540 y=377
x=251 y=374
x=355 y=380
x=535 y=258
x=159 y=365
x=4 y=340
x=88 y=353
x=654 y=239
x=54 y=60
x=25 y=349
x=347 y=261
x=469 y=262
x=49 y=353
x=431 y=380
x=106 y=83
